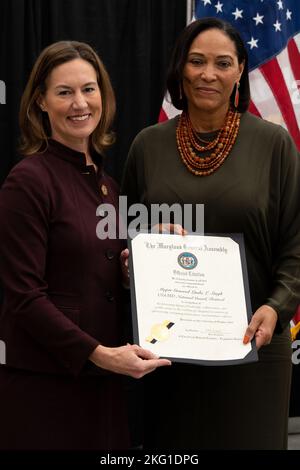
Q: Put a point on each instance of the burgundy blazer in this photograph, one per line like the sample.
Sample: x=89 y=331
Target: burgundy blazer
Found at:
x=62 y=284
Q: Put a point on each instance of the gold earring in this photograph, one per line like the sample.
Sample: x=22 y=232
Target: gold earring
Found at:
x=237 y=95
x=180 y=92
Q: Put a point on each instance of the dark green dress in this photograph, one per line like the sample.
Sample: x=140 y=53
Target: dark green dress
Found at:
x=255 y=192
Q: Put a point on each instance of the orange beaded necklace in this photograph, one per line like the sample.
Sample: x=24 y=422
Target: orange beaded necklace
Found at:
x=190 y=147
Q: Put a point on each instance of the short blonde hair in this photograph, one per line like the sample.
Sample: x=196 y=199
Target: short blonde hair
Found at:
x=34 y=124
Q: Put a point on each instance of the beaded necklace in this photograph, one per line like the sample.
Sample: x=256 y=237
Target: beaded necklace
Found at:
x=190 y=145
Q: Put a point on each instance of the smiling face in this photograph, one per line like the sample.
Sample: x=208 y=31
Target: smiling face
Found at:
x=73 y=103
x=210 y=72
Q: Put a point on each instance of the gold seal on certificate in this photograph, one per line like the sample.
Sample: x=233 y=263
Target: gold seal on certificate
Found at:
x=160 y=332
x=190 y=297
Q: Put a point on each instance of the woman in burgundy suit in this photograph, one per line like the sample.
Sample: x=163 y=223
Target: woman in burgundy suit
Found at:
x=61 y=319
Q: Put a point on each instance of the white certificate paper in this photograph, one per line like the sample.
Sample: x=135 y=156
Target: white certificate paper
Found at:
x=190 y=297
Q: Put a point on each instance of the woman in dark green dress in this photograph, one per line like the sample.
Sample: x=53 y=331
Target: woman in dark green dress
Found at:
x=246 y=173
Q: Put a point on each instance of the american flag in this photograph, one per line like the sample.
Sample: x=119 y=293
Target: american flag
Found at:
x=271 y=32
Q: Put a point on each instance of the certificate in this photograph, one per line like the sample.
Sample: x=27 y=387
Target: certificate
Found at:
x=190 y=297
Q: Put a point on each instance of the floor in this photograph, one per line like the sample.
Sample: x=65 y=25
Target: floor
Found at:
x=294 y=434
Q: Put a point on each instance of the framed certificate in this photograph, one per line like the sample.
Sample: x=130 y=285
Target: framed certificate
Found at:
x=190 y=297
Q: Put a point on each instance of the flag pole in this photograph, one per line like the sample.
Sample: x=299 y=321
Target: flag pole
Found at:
x=189 y=11
x=168 y=111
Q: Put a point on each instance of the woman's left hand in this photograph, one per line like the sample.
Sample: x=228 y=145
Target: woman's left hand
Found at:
x=262 y=326
x=124 y=266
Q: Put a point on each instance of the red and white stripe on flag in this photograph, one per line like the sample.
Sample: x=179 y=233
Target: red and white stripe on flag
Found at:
x=168 y=111
x=275 y=89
